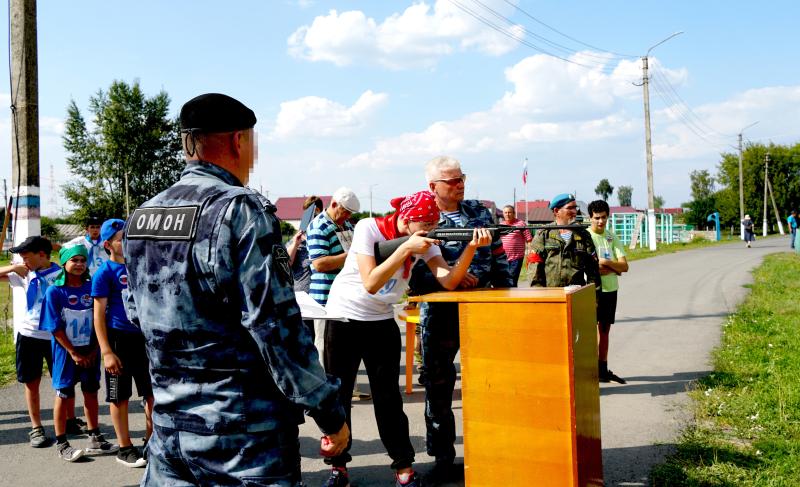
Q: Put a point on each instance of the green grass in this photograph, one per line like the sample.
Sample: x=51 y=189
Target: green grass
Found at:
x=747 y=412
x=7 y=353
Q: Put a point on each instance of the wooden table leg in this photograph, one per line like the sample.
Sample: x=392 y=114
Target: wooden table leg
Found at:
x=411 y=334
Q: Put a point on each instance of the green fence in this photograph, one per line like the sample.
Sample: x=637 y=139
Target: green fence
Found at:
x=624 y=225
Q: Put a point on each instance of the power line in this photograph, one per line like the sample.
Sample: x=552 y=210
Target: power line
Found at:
x=673 y=107
x=663 y=79
x=555 y=45
x=521 y=10
x=505 y=32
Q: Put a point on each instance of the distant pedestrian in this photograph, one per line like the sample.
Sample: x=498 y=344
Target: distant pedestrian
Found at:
x=793 y=226
x=749 y=234
x=612 y=263
x=514 y=243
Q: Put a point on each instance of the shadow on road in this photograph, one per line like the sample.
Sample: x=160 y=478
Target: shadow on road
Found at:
x=631 y=466
x=655 y=385
x=644 y=319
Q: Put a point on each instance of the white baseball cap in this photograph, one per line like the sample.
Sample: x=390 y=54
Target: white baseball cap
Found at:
x=347 y=198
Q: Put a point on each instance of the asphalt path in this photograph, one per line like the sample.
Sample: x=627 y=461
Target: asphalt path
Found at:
x=669 y=318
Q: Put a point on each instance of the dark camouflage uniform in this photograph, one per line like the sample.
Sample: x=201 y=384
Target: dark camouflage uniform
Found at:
x=232 y=365
x=439 y=326
x=559 y=264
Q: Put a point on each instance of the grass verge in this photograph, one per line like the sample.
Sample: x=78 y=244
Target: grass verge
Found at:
x=747 y=412
x=7 y=352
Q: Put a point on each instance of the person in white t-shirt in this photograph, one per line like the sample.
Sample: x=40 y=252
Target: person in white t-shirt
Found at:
x=364 y=293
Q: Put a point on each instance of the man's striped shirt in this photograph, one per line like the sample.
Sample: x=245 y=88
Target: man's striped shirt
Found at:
x=325 y=238
x=514 y=242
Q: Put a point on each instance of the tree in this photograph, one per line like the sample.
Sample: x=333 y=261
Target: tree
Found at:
x=784 y=175
x=658 y=202
x=625 y=195
x=702 y=184
x=604 y=189
x=704 y=199
x=131 y=134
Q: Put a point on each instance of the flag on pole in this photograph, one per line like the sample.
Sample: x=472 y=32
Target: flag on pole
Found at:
x=525 y=172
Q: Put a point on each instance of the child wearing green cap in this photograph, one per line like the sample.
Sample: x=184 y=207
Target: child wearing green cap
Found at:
x=67 y=314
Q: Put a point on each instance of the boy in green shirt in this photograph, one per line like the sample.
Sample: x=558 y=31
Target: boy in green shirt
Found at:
x=612 y=263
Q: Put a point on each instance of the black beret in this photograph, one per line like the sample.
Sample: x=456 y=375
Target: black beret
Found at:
x=33 y=244
x=215 y=112
x=93 y=220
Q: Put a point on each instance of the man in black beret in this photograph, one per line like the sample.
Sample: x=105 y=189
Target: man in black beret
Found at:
x=233 y=367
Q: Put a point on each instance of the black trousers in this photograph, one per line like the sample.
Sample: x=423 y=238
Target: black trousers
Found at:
x=440 y=344
x=377 y=343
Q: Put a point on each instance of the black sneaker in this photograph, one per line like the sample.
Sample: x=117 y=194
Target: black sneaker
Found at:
x=67 y=453
x=98 y=444
x=76 y=426
x=414 y=481
x=38 y=438
x=609 y=376
x=129 y=456
x=338 y=478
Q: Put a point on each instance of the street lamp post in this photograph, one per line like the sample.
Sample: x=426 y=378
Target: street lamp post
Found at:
x=741 y=185
x=370 y=198
x=651 y=212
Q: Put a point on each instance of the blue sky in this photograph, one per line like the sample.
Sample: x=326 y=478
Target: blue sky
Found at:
x=364 y=93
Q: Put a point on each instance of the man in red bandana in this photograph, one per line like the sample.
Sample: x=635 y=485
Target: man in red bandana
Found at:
x=364 y=292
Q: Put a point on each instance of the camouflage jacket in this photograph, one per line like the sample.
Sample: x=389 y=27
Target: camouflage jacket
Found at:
x=211 y=289
x=560 y=264
x=489 y=265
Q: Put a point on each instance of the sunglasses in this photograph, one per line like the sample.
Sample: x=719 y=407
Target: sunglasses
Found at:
x=452 y=181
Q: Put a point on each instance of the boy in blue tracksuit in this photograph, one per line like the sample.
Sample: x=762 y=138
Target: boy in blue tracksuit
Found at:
x=67 y=314
x=122 y=345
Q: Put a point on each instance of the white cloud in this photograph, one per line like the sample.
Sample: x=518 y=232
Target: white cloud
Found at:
x=550 y=101
x=417 y=37
x=320 y=117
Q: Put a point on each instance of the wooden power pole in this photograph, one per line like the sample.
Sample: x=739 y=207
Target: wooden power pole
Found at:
x=24 y=120
x=24 y=131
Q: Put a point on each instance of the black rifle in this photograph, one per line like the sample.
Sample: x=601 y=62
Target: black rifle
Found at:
x=384 y=249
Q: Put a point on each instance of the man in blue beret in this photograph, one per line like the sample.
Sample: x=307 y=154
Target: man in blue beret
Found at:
x=233 y=367
x=564 y=257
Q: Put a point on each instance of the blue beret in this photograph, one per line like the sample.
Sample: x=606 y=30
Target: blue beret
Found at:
x=561 y=200
x=214 y=112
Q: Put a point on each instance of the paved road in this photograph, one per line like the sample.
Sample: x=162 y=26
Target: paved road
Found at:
x=668 y=320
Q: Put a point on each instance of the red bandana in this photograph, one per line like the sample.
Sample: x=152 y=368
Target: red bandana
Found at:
x=419 y=206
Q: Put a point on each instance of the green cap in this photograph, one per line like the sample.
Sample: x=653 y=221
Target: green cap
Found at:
x=64 y=255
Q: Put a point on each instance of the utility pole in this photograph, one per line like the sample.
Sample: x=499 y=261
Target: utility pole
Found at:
x=24 y=130
x=370 y=198
x=24 y=120
x=741 y=186
x=775 y=208
x=651 y=212
x=766 y=178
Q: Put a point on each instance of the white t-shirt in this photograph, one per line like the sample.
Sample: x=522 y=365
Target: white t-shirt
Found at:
x=29 y=324
x=349 y=298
